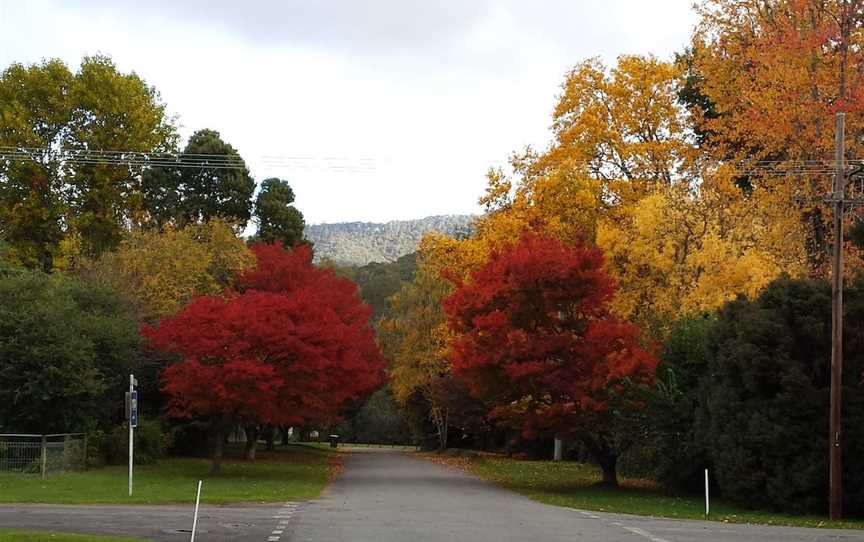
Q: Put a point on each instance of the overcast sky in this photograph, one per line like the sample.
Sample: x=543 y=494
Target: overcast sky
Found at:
x=376 y=110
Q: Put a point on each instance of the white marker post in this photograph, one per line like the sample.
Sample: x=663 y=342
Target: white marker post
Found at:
x=132 y=419
x=558 y=452
x=195 y=518
x=706 y=492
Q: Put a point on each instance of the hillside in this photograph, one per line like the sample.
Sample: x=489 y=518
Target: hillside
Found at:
x=360 y=243
x=378 y=281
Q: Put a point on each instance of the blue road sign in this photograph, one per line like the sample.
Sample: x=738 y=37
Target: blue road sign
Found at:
x=133 y=411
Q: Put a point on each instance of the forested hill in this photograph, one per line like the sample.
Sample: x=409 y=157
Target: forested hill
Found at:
x=378 y=281
x=359 y=243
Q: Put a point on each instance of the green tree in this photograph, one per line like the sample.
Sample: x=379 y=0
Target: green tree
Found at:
x=764 y=417
x=378 y=420
x=66 y=346
x=380 y=281
x=192 y=195
x=163 y=197
x=49 y=112
x=278 y=219
x=8 y=262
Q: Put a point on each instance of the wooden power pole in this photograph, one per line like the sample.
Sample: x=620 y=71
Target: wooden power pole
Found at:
x=838 y=197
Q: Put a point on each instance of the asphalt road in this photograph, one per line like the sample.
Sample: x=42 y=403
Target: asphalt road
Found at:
x=384 y=496
x=158 y=523
x=388 y=496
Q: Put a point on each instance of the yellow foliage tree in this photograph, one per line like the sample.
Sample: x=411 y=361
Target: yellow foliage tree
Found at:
x=617 y=135
x=677 y=251
x=164 y=270
x=623 y=127
x=415 y=338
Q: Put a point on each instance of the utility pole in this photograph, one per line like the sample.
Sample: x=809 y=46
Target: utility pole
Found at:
x=838 y=196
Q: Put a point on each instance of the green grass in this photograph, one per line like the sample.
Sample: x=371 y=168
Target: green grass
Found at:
x=288 y=473
x=575 y=485
x=7 y=535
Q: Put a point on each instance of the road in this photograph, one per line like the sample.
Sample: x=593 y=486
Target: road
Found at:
x=385 y=496
x=168 y=523
x=388 y=496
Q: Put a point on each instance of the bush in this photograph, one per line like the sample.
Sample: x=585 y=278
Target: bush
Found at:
x=190 y=437
x=150 y=443
x=764 y=417
x=669 y=450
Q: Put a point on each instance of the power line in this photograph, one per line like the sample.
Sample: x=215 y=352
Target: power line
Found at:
x=144 y=159
x=180 y=160
x=121 y=158
x=758 y=168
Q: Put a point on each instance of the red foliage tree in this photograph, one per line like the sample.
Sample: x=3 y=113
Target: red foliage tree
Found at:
x=291 y=348
x=534 y=338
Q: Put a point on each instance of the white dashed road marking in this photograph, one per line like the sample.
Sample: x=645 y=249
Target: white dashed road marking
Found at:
x=646 y=534
x=284 y=517
x=635 y=530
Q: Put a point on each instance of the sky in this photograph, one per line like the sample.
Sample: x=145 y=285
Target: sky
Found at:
x=373 y=110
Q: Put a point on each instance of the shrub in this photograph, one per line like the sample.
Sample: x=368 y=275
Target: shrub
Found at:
x=669 y=450
x=764 y=418
x=150 y=443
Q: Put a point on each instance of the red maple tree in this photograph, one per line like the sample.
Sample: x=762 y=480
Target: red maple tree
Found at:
x=292 y=347
x=534 y=338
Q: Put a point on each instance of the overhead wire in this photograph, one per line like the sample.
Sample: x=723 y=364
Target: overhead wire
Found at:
x=336 y=164
x=759 y=168
x=179 y=160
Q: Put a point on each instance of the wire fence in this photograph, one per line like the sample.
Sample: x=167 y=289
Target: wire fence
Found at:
x=402 y=447
x=43 y=454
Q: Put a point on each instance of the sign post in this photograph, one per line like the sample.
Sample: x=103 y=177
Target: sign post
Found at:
x=132 y=420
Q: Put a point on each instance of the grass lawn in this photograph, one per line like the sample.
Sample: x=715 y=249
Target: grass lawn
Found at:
x=575 y=485
x=289 y=473
x=7 y=535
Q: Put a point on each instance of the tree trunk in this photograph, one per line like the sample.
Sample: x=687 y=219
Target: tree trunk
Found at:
x=439 y=419
x=605 y=457
x=609 y=467
x=285 y=436
x=218 y=447
x=270 y=435
x=509 y=444
x=251 y=441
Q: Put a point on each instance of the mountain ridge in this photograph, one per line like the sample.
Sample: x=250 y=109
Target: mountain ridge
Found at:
x=360 y=243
